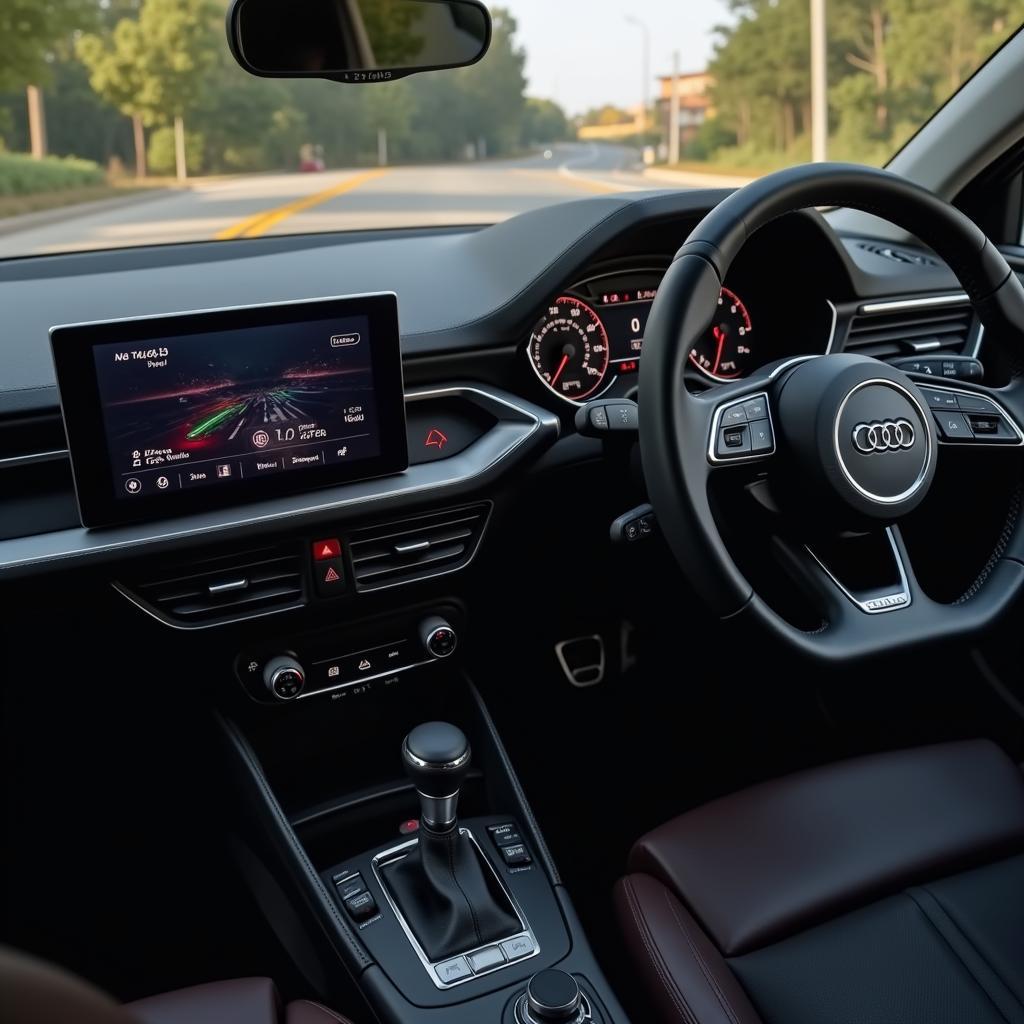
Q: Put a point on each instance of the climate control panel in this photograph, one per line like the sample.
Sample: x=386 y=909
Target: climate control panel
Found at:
x=348 y=661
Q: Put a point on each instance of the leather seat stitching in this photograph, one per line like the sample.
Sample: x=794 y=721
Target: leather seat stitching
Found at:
x=931 y=924
x=967 y=941
x=702 y=963
x=653 y=953
x=324 y=1009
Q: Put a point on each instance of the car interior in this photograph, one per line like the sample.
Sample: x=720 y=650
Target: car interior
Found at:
x=610 y=614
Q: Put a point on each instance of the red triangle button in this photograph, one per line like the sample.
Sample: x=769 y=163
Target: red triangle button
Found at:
x=325 y=549
x=332 y=576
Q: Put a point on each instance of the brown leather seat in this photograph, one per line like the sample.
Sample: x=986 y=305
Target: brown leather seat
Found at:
x=882 y=889
x=32 y=992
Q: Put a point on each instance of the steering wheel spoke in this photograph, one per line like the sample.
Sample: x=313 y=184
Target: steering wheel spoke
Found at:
x=969 y=415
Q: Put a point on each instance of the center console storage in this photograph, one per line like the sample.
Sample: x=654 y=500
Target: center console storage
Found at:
x=389 y=843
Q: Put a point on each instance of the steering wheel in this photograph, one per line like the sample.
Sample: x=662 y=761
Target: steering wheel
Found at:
x=848 y=442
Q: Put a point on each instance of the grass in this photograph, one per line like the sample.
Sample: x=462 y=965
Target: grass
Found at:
x=35 y=202
x=715 y=167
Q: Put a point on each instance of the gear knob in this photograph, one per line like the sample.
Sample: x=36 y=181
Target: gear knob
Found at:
x=437 y=756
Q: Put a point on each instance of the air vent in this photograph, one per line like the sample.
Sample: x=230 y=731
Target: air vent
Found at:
x=898 y=255
x=416 y=549
x=32 y=439
x=225 y=589
x=907 y=333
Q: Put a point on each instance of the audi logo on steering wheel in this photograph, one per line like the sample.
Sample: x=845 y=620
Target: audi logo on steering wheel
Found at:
x=889 y=436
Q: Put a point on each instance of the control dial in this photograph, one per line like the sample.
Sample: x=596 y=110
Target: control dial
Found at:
x=284 y=678
x=553 y=997
x=438 y=637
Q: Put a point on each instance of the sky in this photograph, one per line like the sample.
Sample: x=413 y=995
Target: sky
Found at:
x=583 y=53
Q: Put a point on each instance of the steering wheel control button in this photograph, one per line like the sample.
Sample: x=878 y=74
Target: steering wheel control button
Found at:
x=454 y=970
x=361 y=907
x=953 y=426
x=761 y=437
x=733 y=440
x=348 y=886
x=504 y=835
x=485 y=959
x=756 y=409
x=742 y=430
x=519 y=947
x=940 y=399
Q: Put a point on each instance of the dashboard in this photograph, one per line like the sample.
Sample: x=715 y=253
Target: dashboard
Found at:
x=504 y=331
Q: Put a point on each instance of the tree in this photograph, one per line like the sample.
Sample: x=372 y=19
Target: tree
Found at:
x=153 y=68
x=544 y=121
x=28 y=31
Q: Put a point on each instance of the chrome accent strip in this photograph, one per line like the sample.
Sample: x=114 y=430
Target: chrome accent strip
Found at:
x=33 y=458
x=884 y=603
x=925 y=415
x=397 y=853
x=835 y=324
x=978 y=341
x=447 y=766
x=908 y=305
x=227 y=588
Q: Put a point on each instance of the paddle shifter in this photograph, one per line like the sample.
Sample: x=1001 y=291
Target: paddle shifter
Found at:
x=449 y=896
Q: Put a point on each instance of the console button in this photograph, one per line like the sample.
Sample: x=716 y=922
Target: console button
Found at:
x=329 y=576
x=486 y=959
x=953 y=426
x=516 y=854
x=761 y=439
x=326 y=549
x=516 y=949
x=261 y=465
x=453 y=970
x=361 y=907
x=504 y=835
x=349 y=886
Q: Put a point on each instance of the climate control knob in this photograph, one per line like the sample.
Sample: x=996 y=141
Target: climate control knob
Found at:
x=284 y=678
x=438 y=637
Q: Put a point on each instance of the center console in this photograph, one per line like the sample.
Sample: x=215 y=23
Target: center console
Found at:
x=392 y=847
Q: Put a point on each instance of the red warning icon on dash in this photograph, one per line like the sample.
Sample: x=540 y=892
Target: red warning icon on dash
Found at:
x=326 y=549
x=435 y=439
x=332 y=576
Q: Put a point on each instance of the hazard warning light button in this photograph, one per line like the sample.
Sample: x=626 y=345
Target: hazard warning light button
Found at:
x=329 y=576
x=323 y=550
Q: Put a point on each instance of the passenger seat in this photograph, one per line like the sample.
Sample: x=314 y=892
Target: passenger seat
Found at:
x=32 y=992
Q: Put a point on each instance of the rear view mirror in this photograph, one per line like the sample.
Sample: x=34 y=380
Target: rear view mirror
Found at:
x=356 y=40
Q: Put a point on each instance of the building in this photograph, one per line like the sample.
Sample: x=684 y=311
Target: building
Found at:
x=694 y=104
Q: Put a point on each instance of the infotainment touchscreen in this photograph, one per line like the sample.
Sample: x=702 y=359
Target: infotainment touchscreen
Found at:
x=175 y=414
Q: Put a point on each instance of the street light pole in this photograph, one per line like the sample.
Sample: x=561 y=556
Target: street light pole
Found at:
x=673 y=129
x=819 y=82
x=646 y=100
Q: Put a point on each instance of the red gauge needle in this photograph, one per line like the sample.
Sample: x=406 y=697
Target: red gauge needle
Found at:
x=558 y=373
x=720 y=337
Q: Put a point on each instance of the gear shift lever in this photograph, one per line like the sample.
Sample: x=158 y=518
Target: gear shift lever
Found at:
x=436 y=758
x=450 y=897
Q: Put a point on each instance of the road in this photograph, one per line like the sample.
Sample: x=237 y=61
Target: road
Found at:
x=272 y=204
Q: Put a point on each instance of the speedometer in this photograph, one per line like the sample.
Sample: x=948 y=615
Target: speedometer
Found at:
x=726 y=351
x=569 y=349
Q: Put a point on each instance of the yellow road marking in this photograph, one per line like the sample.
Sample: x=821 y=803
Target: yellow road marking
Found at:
x=587 y=184
x=261 y=223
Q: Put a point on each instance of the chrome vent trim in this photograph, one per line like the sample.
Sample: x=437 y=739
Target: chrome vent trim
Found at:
x=224 y=589
x=407 y=550
x=888 y=331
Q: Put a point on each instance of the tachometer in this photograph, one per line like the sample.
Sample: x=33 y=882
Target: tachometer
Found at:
x=569 y=349
x=725 y=352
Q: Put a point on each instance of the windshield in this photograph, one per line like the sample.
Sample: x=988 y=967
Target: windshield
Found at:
x=127 y=122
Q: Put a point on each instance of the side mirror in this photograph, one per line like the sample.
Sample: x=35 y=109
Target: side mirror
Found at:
x=356 y=40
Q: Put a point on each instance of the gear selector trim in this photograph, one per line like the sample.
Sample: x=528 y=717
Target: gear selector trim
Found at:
x=401 y=851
